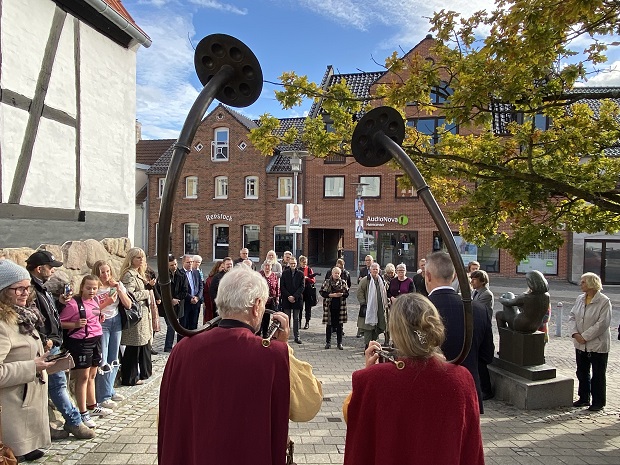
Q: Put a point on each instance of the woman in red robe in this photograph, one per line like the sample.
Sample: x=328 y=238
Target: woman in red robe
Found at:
x=426 y=412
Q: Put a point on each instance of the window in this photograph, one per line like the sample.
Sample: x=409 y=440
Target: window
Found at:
x=373 y=189
x=333 y=186
x=431 y=127
x=221 y=187
x=546 y=262
x=489 y=258
x=251 y=187
x=190 y=233
x=439 y=94
x=404 y=192
x=160 y=191
x=219 y=146
x=191 y=187
x=285 y=188
x=251 y=239
x=283 y=241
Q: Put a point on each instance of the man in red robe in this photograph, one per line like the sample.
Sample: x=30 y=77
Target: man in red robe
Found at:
x=227 y=399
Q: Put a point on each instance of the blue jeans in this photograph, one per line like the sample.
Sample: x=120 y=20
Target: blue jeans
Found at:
x=110 y=343
x=170 y=332
x=57 y=390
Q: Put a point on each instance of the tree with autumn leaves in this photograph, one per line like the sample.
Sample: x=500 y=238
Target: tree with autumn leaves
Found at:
x=509 y=181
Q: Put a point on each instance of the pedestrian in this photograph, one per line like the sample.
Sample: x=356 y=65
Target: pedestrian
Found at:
x=136 y=364
x=424 y=413
x=389 y=273
x=227 y=264
x=273 y=301
x=588 y=325
x=309 y=294
x=208 y=313
x=400 y=285
x=418 y=278
x=483 y=295
x=372 y=297
x=41 y=265
x=276 y=267
x=291 y=292
x=111 y=338
x=179 y=288
x=334 y=292
x=193 y=300
x=241 y=393
x=23 y=393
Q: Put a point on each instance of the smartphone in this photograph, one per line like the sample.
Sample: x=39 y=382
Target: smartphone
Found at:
x=61 y=354
x=112 y=291
x=68 y=289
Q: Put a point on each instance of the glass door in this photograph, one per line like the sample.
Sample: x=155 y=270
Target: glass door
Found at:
x=603 y=258
x=220 y=241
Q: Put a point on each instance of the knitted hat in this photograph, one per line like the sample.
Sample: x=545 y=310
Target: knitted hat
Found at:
x=11 y=273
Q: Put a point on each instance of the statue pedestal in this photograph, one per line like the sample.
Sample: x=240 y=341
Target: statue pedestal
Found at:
x=521 y=377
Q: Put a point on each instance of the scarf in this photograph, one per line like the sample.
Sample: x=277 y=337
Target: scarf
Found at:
x=372 y=305
x=28 y=319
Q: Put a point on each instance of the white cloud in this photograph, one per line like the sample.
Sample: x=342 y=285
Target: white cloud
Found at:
x=220 y=6
x=608 y=77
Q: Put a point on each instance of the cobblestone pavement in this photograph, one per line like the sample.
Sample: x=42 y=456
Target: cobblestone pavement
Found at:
x=511 y=436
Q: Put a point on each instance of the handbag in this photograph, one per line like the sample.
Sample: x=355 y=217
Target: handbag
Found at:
x=131 y=316
x=62 y=364
x=362 y=313
x=312 y=295
x=7 y=457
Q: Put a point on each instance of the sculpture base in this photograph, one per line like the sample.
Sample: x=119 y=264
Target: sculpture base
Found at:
x=522 y=349
x=532 y=373
x=527 y=394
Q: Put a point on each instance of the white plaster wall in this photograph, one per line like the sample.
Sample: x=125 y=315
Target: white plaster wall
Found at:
x=108 y=111
x=12 y=129
x=25 y=28
x=61 y=93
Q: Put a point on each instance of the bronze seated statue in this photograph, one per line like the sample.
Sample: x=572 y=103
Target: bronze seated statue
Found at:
x=525 y=313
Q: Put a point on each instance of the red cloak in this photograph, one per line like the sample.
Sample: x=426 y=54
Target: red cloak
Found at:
x=224 y=399
x=425 y=414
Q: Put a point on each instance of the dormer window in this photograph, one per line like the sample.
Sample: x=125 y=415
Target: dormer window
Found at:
x=219 y=146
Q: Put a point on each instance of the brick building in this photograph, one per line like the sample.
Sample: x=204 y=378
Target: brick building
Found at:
x=229 y=195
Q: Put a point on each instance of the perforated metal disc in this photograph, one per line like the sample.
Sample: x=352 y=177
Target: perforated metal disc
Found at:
x=385 y=119
x=217 y=50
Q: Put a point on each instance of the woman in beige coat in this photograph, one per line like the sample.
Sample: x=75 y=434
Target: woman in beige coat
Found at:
x=23 y=394
x=138 y=339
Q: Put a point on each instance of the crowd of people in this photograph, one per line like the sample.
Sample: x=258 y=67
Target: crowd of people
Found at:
x=259 y=378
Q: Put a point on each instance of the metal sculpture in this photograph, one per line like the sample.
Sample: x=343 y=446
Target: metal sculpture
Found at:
x=376 y=140
x=230 y=72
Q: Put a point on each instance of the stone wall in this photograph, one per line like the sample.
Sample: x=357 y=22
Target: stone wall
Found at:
x=78 y=258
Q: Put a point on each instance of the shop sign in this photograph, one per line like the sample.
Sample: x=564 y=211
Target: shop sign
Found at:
x=379 y=221
x=218 y=216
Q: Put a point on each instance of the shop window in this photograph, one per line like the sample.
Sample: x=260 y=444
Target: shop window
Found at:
x=191 y=187
x=282 y=240
x=285 y=187
x=251 y=187
x=488 y=258
x=546 y=262
x=221 y=187
x=333 y=186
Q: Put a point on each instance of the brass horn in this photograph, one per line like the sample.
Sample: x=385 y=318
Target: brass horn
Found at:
x=230 y=72
x=377 y=139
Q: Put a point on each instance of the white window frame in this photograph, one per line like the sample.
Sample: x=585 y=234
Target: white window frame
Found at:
x=160 y=187
x=251 y=229
x=251 y=187
x=191 y=187
x=285 y=187
x=331 y=180
x=220 y=146
x=195 y=227
x=221 y=187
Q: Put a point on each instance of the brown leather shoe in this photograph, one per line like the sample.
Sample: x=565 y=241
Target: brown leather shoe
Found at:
x=80 y=431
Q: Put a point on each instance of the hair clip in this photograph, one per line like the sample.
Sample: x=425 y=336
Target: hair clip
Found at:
x=420 y=335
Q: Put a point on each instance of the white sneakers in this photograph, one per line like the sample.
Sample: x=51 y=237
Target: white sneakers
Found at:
x=87 y=420
x=118 y=398
x=100 y=411
x=108 y=404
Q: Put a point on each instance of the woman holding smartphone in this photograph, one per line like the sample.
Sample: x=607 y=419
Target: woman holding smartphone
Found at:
x=111 y=337
x=26 y=426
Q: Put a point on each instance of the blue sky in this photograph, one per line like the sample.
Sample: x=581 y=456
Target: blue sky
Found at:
x=286 y=35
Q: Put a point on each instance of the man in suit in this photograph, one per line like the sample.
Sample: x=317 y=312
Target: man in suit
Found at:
x=439 y=275
x=418 y=279
x=292 y=285
x=227 y=264
x=483 y=295
x=194 y=297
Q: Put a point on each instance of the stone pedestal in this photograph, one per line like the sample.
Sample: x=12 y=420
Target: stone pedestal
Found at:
x=521 y=377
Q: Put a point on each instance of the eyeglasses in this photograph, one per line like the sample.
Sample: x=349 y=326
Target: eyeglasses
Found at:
x=21 y=290
x=400 y=269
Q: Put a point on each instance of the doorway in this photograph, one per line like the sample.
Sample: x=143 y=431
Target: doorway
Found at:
x=220 y=241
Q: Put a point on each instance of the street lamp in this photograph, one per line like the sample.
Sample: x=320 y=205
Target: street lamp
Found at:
x=359 y=190
x=295 y=157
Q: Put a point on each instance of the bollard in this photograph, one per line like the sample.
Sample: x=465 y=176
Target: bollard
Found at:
x=558 y=320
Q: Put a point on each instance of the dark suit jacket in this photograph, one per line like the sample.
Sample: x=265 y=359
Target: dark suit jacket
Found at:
x=420 y=284
x=179 y=287
x=450 y=307
x=198 y=286
x=292 y=283
x=485 y=297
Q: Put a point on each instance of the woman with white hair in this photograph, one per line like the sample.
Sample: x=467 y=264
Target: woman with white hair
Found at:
x=589 y=327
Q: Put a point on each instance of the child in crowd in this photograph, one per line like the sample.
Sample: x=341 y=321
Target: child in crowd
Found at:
x=81 y=318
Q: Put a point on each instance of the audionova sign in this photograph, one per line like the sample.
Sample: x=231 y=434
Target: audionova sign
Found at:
x=381 y=221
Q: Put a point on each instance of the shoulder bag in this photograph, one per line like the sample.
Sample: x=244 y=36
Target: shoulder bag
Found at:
x=7 y=457
x=131 y=316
